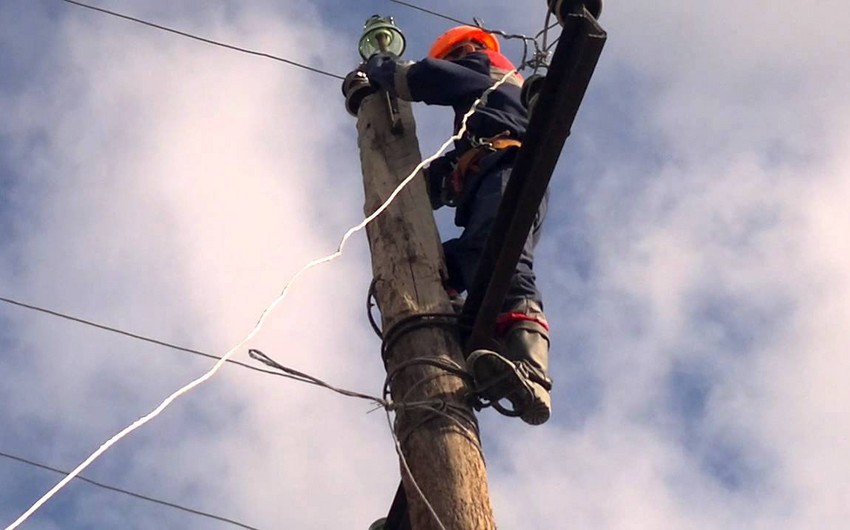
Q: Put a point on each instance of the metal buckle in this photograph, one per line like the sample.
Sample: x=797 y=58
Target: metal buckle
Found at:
x=487 y=143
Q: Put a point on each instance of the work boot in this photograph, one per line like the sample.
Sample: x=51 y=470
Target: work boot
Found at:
x=520 y=373
x=527 y=345
x=497 y=378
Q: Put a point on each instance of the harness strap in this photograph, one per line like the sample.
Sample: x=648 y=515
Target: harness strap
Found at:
x=468 y=161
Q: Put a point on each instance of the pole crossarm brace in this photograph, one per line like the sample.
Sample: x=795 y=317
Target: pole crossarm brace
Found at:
x=560 y=96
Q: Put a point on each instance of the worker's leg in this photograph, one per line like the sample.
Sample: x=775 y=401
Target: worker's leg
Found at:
x=523 y=326
x=525 y=332
x=475 y=216
x=523 y=286
x=463 y=253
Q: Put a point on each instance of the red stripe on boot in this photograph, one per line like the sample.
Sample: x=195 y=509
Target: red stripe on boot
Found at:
x=505 y=321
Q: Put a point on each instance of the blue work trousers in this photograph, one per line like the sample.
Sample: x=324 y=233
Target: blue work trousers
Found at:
x=475 y=215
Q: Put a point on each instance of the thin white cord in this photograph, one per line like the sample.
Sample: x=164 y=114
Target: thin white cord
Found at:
x=263 y=316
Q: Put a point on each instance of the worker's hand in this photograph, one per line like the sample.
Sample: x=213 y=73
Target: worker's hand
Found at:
x=380 y=68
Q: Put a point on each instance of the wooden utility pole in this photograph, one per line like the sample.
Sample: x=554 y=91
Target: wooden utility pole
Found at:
x=444 y=456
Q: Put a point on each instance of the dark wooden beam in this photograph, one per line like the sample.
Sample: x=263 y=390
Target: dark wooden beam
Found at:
x=561 y=95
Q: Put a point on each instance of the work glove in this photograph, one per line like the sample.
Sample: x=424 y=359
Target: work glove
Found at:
x=380 y=68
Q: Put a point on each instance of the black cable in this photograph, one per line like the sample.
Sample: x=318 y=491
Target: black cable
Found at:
x=436 y=14
x=432 y=409
x=412 y=322
x=205 y=40
x=407 y=325
x=306 y=378
x=136 y=336
x=126 y=492
x=440 y=410
x=477 y=22
x=370 y=303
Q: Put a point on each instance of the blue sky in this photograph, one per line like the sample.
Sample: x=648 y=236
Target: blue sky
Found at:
x=694 y=265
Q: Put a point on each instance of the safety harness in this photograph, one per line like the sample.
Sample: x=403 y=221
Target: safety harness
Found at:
x=468 y=163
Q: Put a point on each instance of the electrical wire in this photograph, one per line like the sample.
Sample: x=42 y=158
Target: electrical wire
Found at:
x=536 y=61
x=135 y=336
x=205 y=40
x=370 y=303
x=435 y=13
x=280 y=371
x=544 y=48
x=398 y=450
x=127 y=492
x=306 y=378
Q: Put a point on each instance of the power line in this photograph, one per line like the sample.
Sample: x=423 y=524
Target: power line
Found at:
x=476 y=22
x=435 y=13
x=306 y=378
x=135 y=336
x=126 y=492
x=205 y=40
x=282 y=371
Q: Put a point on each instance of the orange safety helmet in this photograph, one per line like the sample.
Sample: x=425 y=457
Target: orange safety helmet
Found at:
x=448 y=40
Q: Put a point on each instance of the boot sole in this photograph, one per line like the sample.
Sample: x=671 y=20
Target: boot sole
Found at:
x=538 y=410
x=495 y=376
x=497 y=379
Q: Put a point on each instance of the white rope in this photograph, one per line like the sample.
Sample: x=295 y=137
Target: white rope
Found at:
x=263 y=316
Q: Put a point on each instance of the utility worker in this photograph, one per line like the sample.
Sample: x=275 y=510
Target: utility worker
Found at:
x=462 y=64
